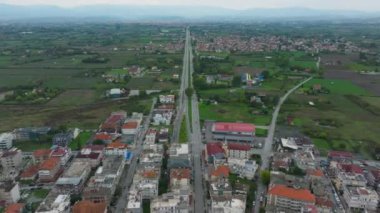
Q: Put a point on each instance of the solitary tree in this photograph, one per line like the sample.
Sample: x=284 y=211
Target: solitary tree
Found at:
x=265 y=177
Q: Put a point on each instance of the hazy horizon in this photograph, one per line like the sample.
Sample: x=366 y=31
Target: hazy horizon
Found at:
x=353 y=5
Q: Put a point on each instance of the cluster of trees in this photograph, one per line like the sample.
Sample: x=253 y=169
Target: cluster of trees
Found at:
x=30 y=95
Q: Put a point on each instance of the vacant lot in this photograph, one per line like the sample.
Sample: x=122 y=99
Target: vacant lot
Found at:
x=338 y=87
x=73 y=98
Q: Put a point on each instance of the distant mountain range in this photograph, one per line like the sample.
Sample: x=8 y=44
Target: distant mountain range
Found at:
x=129 y=12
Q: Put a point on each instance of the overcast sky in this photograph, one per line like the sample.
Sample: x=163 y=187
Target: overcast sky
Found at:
x=366 y=5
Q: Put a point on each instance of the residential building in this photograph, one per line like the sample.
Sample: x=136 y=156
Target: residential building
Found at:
x=373 y=177
x=116 y=148
x=30 y=173
x=40 y=155
x=180 y=178
x=360 y=198
x=162 y=116
x=339 y=156
x=134 y=201
x=114 y=122
x=324 y=205
x=167 y=99
x=233 y=132
x=163 y=135
x=15 y=208
x=349 y=174
x=130 y=128
x=9 y=192
x=55 y=203
x=63 y=153
x=11 y=162
x=62 y=139
x=220 y=172
x=243 y=167
x=90 y=155
x=86 y=206
x=228 y=204
x=304 y=159
x=6 y=140
x=179 y=156
x=73 y=179
x=214 y=151
x=239 y=150
x=30 y=133
x=101 y=187
x=284 y=198
x=146 y=181
x=150 y=136
x=104 y=136
x=50 y=170
x=170 y=203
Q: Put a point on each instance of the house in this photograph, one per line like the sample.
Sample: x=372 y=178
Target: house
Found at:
x=101 y=187
x=86 y=206
x=233 y=132
x=180 y=178
x=49 y=170
x=150 y=136
x=284 y=198
x=62 y=139
x=11 y=161
x=6 y=140
x=221 y=172
x=360 y=198
x=41 y=155
x=130 y=128
x=239 y=150
x=15 y=208
x=167 y=99
x=104 y=136
x=63 y=153
x=116 y=148
x=73 y=179
x=30 y=133
x=9 y=192
x=214 y=151
x=30 y=173
x=55 y=203
x=113 y=123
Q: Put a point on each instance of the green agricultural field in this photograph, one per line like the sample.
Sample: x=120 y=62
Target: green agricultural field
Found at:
x=231 y=112
x=362 y=67
x=340 y=87
x=73 y=98
x=261 y=132
x=117 y=72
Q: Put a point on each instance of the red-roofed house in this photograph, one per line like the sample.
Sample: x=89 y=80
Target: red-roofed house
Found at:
x=130 y=128
x=324 y=205
x=180 y=178
x=222 y=171
x=116 y=148
x=15 y=208
x=30 y=173
x=113 y=123
x=86 y=206
x=349 y=174
x=63 y=153
x=214 y=151
x=41 y=155
x=90 y=156
x=239 y=150
x=238 y=132
x=49 y=170
x=104 y=137
x=283 y=197
x=339 y=155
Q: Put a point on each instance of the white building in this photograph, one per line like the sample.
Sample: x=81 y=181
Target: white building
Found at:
x=6 y=140
x=167 y=99
x=228 y=204
x=11 y=162
x=9 y=191
x=239 y=150
x=169 y=203
x=361 y=198
x=163 y=118
x=54 y=203
x=245 y=168
x=150 y=136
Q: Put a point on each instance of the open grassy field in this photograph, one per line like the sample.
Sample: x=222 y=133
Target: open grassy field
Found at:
x=183 y=137
x=73 y=98
x=339 y=87
x=30 y=146
x=80 y=141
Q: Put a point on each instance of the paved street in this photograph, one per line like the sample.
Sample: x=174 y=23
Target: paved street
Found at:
x=266 y=152
x=127 y=177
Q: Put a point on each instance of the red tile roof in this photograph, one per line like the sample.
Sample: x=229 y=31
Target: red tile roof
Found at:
x=117 y=144
x=339 y=154
x=103 y=136
x=14 y=208
x=130 y=125
x=30 y=171
x=214 y=148
x=351 y=168
x=376 y=173
x=316 y=172
x=324 y=202
x=233 y=127
x=60 y=151
x=291 y=193
x=86 y=206
x=180 y=173
x=42 y=152
x=50 y=164
x=221 y=171
x=96 y=147
x=239 y=146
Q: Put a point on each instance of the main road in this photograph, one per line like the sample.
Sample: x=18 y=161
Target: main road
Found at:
x=267 y=151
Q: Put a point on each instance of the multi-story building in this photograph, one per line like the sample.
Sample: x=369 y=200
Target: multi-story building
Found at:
x=86 y=206
x=11 y=162
x=73 y=179
x=90 y=155
x=130 y=128
x=283 y=198
x=30 y=133
x=170 y=203
x=146 y=181
x=134 y=201
x=62 y=139
x=150 y=136
x=6 y=140
x=239 y=150
x=167 y=99
x=228 y=204
x=102 y=185
x=40 y=155
x=233 y=132
x=116 y=148
x=373 y=177
x=180 y=178
x=360 y=198
x=351 y=175
x=114 y=122
x=49 y=170
x=179 y=156
x=55 y=203
x=9 y=192
x=243 y=167
x=63 y=153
